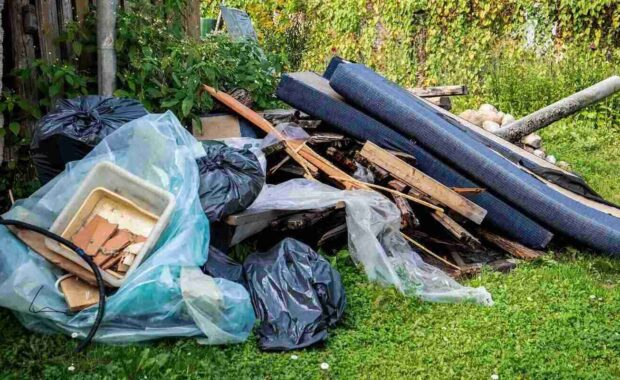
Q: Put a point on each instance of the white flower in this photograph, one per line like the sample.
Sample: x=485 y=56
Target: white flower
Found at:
x=71 y=368
x=592 y=297
x=324 y=366
x=494 y=376
x=294 y=357
x=74 y=335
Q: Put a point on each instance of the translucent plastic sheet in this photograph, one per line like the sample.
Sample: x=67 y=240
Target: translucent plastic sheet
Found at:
x=155 y=301
x=374 y=239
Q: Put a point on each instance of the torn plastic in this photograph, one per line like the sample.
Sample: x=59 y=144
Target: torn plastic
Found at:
x=230 y=179
x=375 y=241
x=363 y=174
x=152 y=303
x=296 y=294
x=289 y=131
x=74 y=127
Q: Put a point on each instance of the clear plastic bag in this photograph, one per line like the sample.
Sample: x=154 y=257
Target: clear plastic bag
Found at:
x=374 y=239
x=152 y=302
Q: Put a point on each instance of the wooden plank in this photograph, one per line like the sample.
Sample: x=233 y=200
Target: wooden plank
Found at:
x=513 y=248
x=415 y=178
x=66 y=16
x=47 y=14
x=455 y=229
x=82 y=7
x=36 y=242
x=468 y=190
x=78 y=293
x=440 y=101
x=429 y=92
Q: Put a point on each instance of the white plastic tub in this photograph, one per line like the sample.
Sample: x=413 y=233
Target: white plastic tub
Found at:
x=121 y=198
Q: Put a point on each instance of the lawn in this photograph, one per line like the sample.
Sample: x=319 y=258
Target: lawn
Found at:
x=554 y=318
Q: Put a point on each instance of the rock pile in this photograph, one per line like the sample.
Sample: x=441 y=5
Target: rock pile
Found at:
x=489 y=118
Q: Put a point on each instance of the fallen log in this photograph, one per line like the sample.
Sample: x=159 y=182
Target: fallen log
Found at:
x=559 y=110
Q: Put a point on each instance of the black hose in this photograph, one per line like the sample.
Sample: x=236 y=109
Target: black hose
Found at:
x=80 y=252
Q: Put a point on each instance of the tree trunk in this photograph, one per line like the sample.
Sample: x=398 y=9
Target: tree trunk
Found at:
x=559 y=110
x=191 y=19
x=106 y=55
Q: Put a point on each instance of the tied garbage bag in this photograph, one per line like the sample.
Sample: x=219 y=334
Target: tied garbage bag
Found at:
x=74 y=127
x=155 y=301
x=220 y=265
x=230 y=179
x=296 y=294
x=375 y=242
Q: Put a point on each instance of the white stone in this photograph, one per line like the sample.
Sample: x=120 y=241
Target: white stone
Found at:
x=534 y=140
x=539 y=153
x=490 y=115
x=486 y=107
x=507 y=119
x=490 y=126
x=551 y=158
x=563 y=164
x=472 y=116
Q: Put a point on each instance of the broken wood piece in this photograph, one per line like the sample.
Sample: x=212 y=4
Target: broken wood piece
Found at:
x=341 y=158
x=440 y=101
x=428 y=92
x=407 y=217
x=36 y=242
x=112 y=261
x=398 y=186
x=455 y=229
x=407 y=196
x=263 y=124
x=79 y=294
x=325 y=137
x=429 y=252
x=416 y=179
x=465 y=191
x=332 y=234
x=85 y=234
x=103 y=232
x=115 y=274
x=511 y=247
x=101 y=258
x=118 y=242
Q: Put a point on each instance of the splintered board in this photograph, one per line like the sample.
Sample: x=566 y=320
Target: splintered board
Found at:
x=415 y=178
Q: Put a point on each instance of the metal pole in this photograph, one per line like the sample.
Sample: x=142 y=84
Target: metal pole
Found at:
x=106 y=55
x=559 y=110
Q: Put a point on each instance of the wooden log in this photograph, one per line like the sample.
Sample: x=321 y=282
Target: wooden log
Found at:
x=455 y=229
x=416 y=179
x=513 y=248
x=559 y=110
x=429 y=92
x=47 y=14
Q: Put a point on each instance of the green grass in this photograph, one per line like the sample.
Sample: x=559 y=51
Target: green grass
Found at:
x=555 y=318
x=545 y=324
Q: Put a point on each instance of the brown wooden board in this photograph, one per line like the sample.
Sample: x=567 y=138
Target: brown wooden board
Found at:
x=415 y=178
x=79 y=294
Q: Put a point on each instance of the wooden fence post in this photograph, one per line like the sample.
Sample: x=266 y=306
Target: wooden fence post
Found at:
x=47 y=13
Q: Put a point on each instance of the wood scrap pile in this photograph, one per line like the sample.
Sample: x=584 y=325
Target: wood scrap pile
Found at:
x=442 y=223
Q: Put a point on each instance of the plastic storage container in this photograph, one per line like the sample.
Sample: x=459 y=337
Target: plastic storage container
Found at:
x=121 y=198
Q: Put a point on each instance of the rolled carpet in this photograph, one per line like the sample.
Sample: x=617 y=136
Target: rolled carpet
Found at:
x=563 y=212
x=312 y=94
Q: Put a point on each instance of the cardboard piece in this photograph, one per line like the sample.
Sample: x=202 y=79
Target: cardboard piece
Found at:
x=218 y=127
x=79 y=294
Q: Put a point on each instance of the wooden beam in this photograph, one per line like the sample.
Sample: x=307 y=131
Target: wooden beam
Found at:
x=66 y=17
x=47 y=13
x=416 y=179
x=468 y=190
x=455 y=229
x=430 y=92
x=513 y=248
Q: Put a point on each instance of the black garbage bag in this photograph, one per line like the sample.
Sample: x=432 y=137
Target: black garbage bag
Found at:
x=230 y=179
x=296 y=295
x=74 y=127
x=220 y=265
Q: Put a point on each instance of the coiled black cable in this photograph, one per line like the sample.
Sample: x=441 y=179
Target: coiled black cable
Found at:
x=80 y=252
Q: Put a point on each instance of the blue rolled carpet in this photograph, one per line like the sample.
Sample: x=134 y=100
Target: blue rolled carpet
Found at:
x=412 y=117
x=312 y=94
